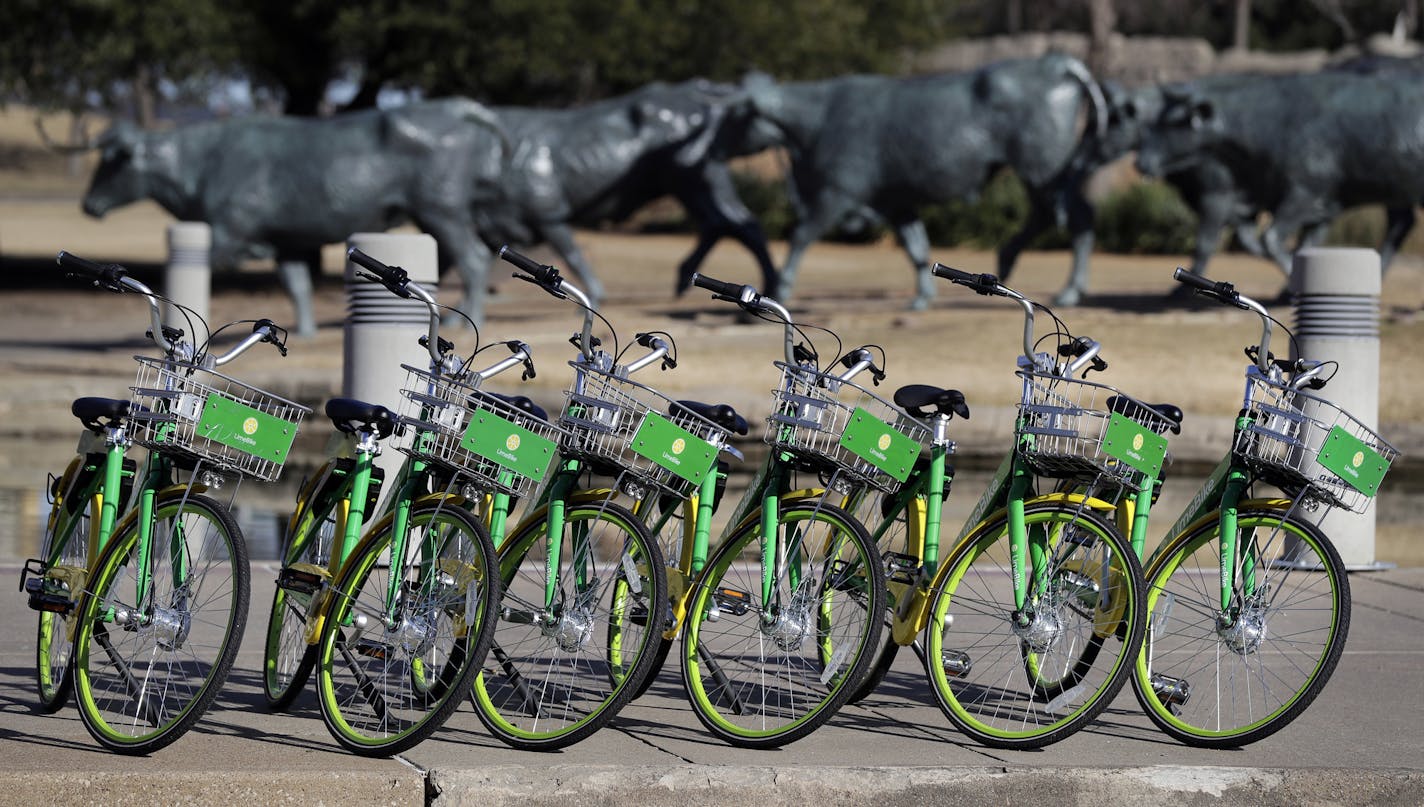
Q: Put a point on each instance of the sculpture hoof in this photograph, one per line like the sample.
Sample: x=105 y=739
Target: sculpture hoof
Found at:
x=1068 y=297
x=919 y=304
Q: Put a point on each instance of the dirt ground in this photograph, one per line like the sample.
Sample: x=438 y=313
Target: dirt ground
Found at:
x=61 y=340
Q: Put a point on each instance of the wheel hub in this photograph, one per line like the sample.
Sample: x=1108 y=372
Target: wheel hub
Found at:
x=789 y=629
x=170 y=627
x=414 y=636
x=1041 y=630
x=1245 y=635
x=572 y=630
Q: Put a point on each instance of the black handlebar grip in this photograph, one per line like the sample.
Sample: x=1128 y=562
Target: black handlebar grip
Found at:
x=1192 y=279
x=365 y=261
x=81 y=266
x=543 y=275
x=953 y=275
x=722 y=287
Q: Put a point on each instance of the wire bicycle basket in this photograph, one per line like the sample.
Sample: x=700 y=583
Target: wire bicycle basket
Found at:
x=1069 y=428
x=476 y=434
x=637 y=433
x=1311 y=448
x=845 y=427
x=182 y=409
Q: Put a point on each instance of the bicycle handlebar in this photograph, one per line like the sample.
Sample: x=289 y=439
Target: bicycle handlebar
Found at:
x=1226 y=294
x=549 y=279
x=747 y=298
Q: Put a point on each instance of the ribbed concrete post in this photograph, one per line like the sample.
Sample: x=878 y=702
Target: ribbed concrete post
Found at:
x=382 y=330
x=1337 y=318
x=188 y=278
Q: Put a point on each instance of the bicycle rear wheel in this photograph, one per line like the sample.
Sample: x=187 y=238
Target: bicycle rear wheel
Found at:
x=1025 y=680
x=391 y=671
x=288 y=659
x=765 y=671
x=160 y=624
x=1223 y=680
x=569 y=653
x=67 y=540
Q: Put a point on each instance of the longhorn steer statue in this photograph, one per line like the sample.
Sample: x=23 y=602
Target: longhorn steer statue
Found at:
x=277 y=187
x=888 y=146
x=604 y=161
x=1304 y=147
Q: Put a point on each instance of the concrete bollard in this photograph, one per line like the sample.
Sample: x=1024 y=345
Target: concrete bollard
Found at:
x=1336 y=293
x=382 y=330
x=188 y=278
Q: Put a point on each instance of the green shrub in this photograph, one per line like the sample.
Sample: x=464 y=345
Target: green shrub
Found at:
x=1360 y=227
x=1145 y=218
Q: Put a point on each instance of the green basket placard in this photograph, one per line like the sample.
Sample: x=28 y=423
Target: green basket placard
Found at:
x=508 y=444
x=248 y=430
x=880 y=444
x=1352 y=460
x=1134 y=445
x=670 y=446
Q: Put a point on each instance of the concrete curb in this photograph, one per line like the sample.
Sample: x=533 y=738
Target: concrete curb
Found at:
x=695 y=785
x=308 y=789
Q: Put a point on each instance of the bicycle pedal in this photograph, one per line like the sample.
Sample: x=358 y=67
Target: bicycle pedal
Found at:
x=42 y=599
x=734 y=602
x=956 y=663
x=900 y=568
x=373 y=649
x=638 y=614
x=302 y=578
x=1171 y=691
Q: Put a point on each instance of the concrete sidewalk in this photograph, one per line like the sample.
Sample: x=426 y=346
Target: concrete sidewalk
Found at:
x=1362 y=742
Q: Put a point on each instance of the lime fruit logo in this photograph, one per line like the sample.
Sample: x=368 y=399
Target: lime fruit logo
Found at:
x=678 y=445
x=512 y=442
x=1359 y=459
x=1137 y=442
x=884 y=442
x=249 y=427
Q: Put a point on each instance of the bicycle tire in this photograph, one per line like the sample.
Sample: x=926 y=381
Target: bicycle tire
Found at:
x=1312 y=606
x=749 y=674
x=554 y=679
x=174 y=648
x=988 y=675
x=894 y=539
x=287 y=658
x=54 y=643
x=387 y=683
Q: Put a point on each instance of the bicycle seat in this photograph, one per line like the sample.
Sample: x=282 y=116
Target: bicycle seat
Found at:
x=90 y=410
x=913 y=398
x=721 y=414
x=350 y=415
x=523 y=404
x=1130 y=408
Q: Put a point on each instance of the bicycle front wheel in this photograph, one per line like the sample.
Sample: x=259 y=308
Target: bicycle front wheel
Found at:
x=771 y=653
x=160 y=623
x=405 y=633
x=571 y=650
x=1225 y=678
x=67 y=543
x=1024 y=678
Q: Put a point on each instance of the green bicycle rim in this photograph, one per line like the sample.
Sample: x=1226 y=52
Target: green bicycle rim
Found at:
x=1018 y=663
x=174 y=724
x=617 y=645
x=1170 y=564
x=829 y=695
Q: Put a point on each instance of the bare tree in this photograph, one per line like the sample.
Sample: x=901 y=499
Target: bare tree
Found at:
x=1241 y=30
x=1102 y=23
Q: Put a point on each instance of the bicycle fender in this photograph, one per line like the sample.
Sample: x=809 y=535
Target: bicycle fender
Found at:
x=1244 y=504
x=794 y=497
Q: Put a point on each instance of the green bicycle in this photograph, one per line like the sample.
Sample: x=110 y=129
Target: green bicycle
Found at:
x=143 y=585
x=1248 y=602
x=391 y=609
x=582 y=578
x=1031 y=581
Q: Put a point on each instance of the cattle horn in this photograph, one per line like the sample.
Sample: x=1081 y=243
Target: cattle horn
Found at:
x=62 y=148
